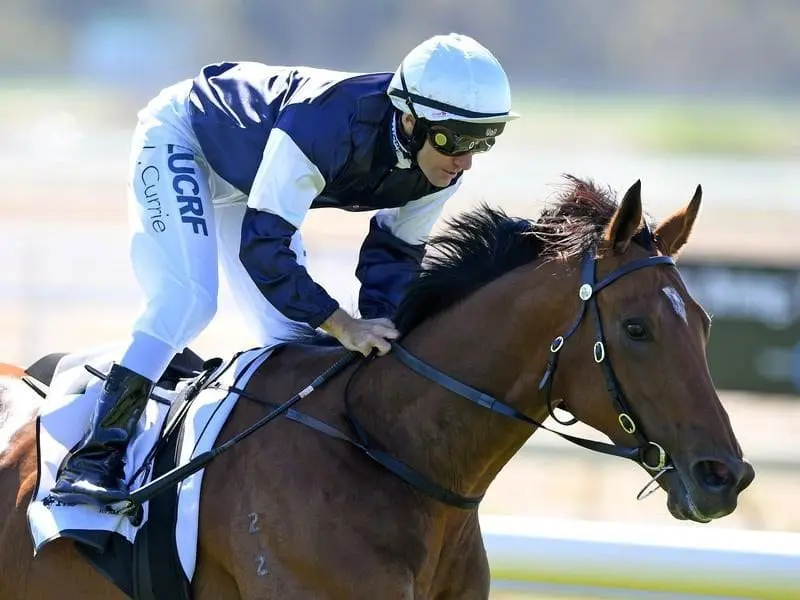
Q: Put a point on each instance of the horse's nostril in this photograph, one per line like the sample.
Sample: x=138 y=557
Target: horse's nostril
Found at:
x=713 y=475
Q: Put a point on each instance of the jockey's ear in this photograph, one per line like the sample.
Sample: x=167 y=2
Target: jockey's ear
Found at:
x=627 y=220
x=673 y=233
x=407 y=120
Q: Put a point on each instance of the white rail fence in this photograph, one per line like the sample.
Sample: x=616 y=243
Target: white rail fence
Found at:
x=606 y=559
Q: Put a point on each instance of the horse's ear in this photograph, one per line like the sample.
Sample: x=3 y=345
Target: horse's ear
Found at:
x=673 y=233
x=627 y=220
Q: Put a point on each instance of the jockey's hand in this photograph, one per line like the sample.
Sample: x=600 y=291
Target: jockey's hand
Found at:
x=361 y=335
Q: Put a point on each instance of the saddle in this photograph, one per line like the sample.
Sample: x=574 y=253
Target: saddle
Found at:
x=150 y=568
x=155 y=558
x=185 y=365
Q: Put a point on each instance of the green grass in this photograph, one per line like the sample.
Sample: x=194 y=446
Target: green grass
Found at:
x=29 y=99
x=656 y=123
x=659 y=124
x=521 y=596
x=718 y=130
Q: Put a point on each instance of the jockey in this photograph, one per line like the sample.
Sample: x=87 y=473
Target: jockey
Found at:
x=224 y=168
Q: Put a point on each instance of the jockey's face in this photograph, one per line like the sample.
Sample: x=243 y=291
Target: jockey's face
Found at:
x=438 y=168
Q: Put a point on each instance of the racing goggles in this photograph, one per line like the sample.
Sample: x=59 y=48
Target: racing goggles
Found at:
x=449 y=142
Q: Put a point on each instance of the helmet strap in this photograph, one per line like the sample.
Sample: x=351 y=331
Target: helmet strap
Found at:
x=409 y=102
x=417 y=140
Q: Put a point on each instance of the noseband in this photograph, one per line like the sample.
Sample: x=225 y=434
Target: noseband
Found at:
x=587 y=293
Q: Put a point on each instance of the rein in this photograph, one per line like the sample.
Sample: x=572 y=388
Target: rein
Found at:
x=588 y=296
x=587 y=293
x=132 y=505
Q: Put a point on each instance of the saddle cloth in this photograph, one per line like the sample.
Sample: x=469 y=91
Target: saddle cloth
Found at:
x=63 y=420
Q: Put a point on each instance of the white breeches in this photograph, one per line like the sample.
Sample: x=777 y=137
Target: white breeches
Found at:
x=185 y=221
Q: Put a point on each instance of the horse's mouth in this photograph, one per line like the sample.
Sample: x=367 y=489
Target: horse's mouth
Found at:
x=682 y=505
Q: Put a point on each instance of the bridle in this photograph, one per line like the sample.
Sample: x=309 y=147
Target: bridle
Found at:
x=587 y=293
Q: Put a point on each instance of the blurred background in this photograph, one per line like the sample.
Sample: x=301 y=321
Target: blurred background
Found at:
x=672 y=92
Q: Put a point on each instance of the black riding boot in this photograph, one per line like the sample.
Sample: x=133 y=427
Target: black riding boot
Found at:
x=94 y=472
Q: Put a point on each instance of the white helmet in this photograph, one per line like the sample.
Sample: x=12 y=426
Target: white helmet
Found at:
x=452 y=77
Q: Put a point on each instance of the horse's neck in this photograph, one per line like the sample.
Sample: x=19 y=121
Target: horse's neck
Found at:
x=450 y=440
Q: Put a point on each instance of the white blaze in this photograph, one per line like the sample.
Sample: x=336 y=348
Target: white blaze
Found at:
x=676 y=301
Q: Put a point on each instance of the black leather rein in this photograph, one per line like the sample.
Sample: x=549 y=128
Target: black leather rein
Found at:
x=588 y=296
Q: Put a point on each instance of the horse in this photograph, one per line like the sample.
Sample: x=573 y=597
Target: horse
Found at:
x=581 y=308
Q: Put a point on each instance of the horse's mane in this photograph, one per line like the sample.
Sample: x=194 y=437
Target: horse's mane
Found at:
x=479 y=246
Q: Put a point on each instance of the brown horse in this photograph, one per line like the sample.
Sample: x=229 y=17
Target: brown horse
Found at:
x=498 y=302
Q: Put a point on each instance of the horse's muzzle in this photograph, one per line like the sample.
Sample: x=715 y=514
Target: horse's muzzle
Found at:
x=709 y=488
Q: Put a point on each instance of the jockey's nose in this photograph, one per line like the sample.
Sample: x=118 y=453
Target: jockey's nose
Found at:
x=464 y=161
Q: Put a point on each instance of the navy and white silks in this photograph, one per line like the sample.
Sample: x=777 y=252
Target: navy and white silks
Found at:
x=223 y=170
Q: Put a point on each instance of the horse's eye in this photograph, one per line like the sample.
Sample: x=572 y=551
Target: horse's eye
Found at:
x=636 y=330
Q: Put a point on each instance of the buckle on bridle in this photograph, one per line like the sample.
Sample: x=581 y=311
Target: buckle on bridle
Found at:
x=627 y=423
x=662 y=457
x=599 y=352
